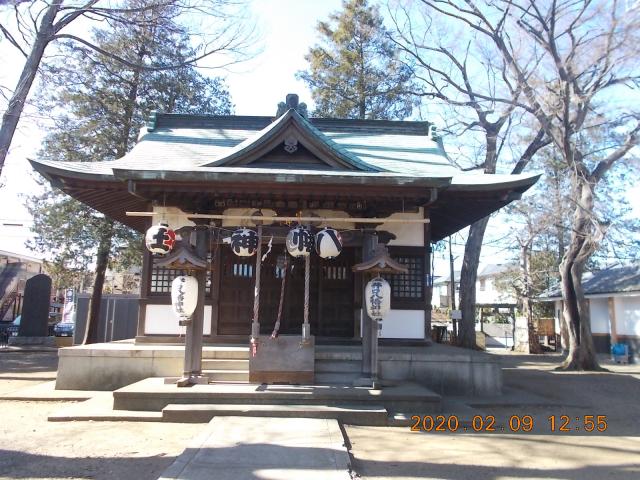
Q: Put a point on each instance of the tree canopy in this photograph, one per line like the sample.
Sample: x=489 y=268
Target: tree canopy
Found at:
x=355 y=72
x=98 y=106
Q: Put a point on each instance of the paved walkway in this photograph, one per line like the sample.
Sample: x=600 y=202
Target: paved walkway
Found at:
x=241 y=448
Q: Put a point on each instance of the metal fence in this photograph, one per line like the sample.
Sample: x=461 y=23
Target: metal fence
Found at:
x=118 y=317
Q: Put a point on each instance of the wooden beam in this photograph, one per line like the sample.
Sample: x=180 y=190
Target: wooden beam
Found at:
x=289 y=219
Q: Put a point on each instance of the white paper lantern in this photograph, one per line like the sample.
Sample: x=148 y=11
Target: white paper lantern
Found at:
x=328 y=243
x=378 y=297
x=299 y=242
x=160 y=239
x=244 y=242
x=184 y=296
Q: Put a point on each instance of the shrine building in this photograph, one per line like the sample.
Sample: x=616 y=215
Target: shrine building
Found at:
x=390 y=181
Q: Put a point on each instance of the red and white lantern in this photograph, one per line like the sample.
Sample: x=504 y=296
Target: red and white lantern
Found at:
x=160 y=239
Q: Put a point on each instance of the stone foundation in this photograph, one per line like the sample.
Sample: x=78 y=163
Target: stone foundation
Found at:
x=445 y=370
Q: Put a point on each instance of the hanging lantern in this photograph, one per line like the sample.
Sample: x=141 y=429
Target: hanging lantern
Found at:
x=160 y=239
x=244 y=242
x=328 y=243
x=299 y=242
x=184 y=296
x=378 y=296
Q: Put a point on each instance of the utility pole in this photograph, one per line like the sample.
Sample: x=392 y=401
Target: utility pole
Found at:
x=452 y=285
x=452 y=277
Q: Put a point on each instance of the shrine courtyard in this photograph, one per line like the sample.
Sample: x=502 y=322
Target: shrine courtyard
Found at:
x=33 y=447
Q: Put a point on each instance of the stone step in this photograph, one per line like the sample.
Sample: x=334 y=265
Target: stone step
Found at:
x=226 y=353
x=335 y=366
x=225 y=364
x=153 y=394
x=372 y=415
x=227 y=375
x=336 y=378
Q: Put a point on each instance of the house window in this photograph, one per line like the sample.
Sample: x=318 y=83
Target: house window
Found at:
x=483 y=285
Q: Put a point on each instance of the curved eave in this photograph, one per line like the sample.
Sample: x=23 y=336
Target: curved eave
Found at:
x=53 y=170
x=490 y=182
x=260 y=175
x=309 y=133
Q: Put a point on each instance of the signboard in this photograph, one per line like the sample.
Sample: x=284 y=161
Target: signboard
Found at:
x=69 y=310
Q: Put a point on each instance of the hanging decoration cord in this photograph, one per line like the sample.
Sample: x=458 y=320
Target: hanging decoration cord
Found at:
x=276 y=327
x=255 y=325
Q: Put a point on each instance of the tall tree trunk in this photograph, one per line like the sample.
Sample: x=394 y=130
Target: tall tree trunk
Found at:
x=584 y=241
x=527 y=307
x=16 y=104
x=104 y=249
x=468 y=277
x=472 y=249
x=93 y=318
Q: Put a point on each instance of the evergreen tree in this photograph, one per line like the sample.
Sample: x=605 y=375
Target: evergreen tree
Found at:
x=355 y=72
x=101 y=107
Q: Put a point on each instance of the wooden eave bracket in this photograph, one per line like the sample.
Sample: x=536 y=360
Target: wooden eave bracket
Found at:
x=380 y=262
x=183 y=258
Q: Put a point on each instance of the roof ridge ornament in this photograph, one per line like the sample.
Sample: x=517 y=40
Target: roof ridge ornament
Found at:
x=292 y=103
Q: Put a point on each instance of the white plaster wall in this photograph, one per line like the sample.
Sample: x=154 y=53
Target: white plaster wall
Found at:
x=175 y=217
x=407 y=234
x=244 y=211
x=600 y=322
x=268 y=212
x=627 y=315
x=160 y=320
x=402 y=324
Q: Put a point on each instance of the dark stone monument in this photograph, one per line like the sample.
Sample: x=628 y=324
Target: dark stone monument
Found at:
x=35 y=310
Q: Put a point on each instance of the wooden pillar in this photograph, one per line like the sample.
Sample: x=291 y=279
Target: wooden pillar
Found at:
x=369 y=242
x=612 y=320
x=428 y=279
x=192 y=371
x=145 y=282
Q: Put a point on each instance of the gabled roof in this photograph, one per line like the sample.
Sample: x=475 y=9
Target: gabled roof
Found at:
x=618 y=279
x=294 y=128
x=177 y=142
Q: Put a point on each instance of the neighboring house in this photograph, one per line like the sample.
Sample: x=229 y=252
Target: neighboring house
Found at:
x=487 y=292
x=15 y=270
x=614 y=303
x=125 y=282
x=442 y=290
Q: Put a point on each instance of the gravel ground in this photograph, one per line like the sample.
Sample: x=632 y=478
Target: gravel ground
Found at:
x=33 y=448
x=398 y=453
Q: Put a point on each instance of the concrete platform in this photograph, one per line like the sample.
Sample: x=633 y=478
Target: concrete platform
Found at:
x=443 y=369
x=240 y=448
x=152 y=394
